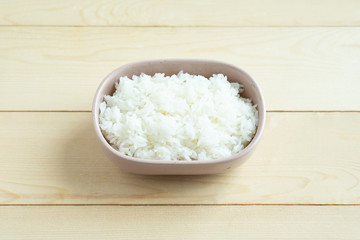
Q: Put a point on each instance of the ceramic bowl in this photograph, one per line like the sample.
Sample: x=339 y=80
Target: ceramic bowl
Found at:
x=169 y=67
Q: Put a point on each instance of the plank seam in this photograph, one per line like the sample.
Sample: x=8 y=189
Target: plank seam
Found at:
x=187 y=26
x=175 y=205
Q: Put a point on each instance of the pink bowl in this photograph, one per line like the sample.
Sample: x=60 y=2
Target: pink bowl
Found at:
x=169 y=67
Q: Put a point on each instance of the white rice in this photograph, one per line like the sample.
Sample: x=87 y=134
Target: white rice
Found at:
x=178 y=117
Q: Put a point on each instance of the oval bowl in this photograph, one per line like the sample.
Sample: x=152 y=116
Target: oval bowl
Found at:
x=172 y=66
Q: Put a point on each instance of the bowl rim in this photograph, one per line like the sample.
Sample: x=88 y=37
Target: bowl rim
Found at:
x=241 y=153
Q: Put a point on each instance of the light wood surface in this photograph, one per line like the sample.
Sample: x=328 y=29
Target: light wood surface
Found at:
x=302 y=159
x=302 y=181
x=181 y=13
x=297 y=68
x=180 y=222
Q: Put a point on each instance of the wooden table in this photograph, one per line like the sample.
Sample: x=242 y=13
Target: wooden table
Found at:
x=303 y=182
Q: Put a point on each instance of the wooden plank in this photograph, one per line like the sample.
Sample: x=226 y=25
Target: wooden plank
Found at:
x=181 y=13
x=180 y=222
x=297 y=68
x=303 y=158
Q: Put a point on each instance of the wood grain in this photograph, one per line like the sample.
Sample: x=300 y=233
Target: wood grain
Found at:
x=186 y=222
x=303 y=158
x=304 y=54
x=181 y=13
x=297 y=68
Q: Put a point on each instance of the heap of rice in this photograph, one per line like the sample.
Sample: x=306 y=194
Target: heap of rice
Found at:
x=178 y=117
